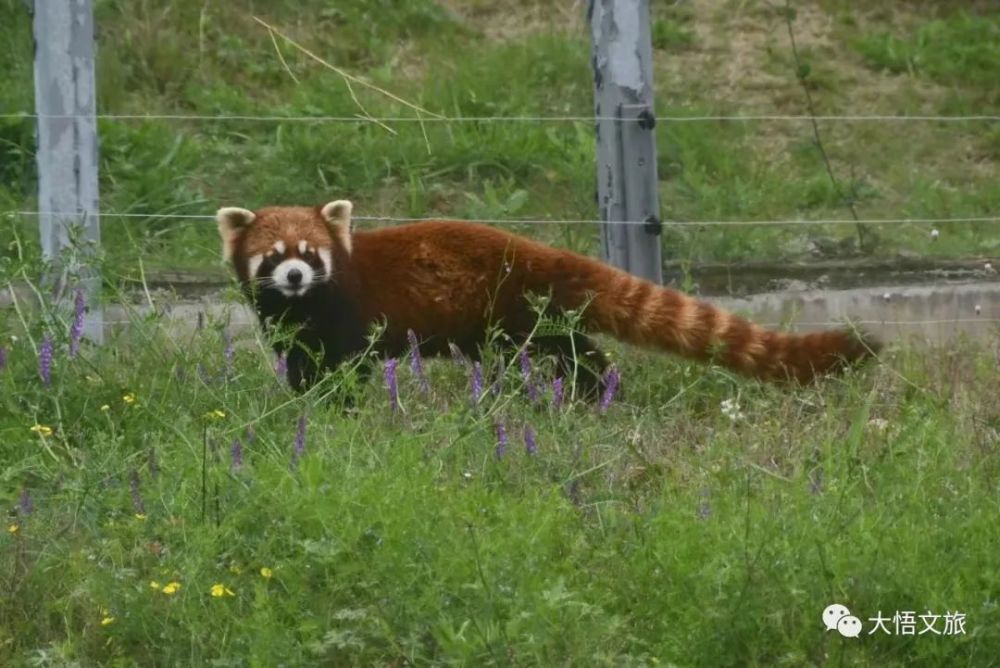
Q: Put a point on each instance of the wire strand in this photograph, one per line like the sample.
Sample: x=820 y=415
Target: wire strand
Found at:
x=830 y=323
x=741 y=118
x=545 y=221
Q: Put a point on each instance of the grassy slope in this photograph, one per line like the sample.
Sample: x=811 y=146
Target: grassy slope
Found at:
x=662 y=531
x=524 y=58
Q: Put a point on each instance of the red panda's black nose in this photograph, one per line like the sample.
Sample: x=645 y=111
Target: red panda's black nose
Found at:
x=294 y=276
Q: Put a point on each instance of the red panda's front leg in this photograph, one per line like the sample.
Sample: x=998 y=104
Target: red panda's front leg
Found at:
x=302 y=369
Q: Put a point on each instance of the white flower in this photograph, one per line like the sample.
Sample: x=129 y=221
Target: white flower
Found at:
x=880 y=424
x=731 y=409
x=934 y=235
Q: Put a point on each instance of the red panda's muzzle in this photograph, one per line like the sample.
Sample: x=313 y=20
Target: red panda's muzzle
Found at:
x=294 y=277
x=291 y=277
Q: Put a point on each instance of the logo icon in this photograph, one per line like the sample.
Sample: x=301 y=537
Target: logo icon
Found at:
x=849 y=626
x=837 y=617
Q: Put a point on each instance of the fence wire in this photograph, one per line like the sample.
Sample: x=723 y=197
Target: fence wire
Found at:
x=560 y=221
x=739 y=118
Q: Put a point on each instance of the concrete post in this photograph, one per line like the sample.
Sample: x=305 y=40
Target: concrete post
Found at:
x=626 y=143
x=65 y=101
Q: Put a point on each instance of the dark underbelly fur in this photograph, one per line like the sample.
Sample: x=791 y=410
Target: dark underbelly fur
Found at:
x=325 y=327
x=327 y=330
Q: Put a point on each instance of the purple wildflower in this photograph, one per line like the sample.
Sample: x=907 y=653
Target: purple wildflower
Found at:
x=133 y=485
x=227 y=352
x=417 y=362
x=281 y=366
x=154 y=467
x=251 y=434
x=477 y=382
x=525 y=364
x=76 y=330
x=816 y=481
x=530 y=444
x=501 y=440
x=3 y=358
x=529 y=383
x=236 y=455
x=45 y=360
x=557 y=392
x=25 y=506
x=704 y=508
x=300 y=440
x=390 y=382
x=611 y=385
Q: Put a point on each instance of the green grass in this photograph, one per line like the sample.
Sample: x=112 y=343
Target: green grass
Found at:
x=191 y=58
x=961 y=50
x=671 y=27
x=661 y=532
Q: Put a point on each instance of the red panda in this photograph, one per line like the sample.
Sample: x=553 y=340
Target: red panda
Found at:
x=450 y=282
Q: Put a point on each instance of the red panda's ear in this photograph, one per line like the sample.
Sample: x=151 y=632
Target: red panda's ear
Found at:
x=232 y=220
x=337 y=215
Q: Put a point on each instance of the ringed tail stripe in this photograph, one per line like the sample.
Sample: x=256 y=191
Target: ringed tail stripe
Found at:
x=642 y=313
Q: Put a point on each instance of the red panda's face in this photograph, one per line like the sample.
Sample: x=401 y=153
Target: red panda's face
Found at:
x=287 y=249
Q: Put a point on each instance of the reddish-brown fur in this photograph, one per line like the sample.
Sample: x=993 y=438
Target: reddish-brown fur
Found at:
x=451 y=280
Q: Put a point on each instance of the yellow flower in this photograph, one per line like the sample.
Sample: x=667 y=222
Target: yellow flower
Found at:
x=140 y=516
x=107 y=620
x=42 y=430
x=13 y=528
x=129 y=398
x=220 y=590
x=266 y=572
x=171 y=588
x=105 y=408
x=217 y=414
x=154 y=585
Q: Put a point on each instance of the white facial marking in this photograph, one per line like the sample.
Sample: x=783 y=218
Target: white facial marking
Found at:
x=284 y=274
x=302 y=247
x=253 y=264
x=279 y=247
x=327 y=258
